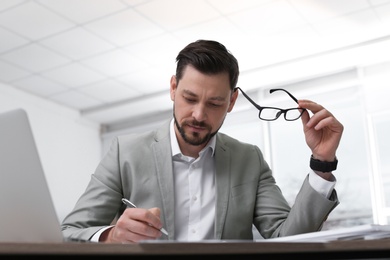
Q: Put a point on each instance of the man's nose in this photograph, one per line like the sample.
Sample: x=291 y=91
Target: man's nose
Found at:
x=199 y=112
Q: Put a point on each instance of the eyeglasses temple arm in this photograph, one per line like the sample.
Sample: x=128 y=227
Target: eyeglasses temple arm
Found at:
x=276 y=89
x=250 y=100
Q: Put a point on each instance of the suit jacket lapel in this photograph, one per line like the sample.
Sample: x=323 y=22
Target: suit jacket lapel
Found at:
x=165 y=176
x=222 y=175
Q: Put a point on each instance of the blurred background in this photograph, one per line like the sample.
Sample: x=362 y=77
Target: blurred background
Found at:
x=88 y=70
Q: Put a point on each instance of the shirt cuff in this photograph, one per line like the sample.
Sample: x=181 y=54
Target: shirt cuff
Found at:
x=96 y=236
x=321 y=185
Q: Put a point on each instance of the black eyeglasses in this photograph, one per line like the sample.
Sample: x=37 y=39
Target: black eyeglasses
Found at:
x=273 y=113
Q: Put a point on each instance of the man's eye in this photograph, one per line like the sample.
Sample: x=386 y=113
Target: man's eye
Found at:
x=190 y=100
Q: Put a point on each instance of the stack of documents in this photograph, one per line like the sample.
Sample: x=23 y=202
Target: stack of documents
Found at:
x=363 y=232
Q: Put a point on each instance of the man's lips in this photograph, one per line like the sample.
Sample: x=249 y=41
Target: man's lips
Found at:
x=196 y=128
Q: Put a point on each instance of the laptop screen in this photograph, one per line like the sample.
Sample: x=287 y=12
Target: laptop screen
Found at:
x=27 y=210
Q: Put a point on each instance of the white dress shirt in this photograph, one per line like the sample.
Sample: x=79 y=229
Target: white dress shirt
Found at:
x=194 y=182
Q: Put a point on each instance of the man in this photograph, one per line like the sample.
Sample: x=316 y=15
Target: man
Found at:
x=198 y=183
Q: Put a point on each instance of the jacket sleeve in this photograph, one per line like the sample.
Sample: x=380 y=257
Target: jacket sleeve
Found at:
x=307 y=214
x=101 y=201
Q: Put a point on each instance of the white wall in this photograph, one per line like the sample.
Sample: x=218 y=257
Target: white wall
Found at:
x=69 y=147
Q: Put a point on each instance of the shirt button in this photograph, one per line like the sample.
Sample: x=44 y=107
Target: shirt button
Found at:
x=193 y=231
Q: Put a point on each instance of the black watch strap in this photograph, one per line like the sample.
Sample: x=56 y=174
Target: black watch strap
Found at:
x=321 y=166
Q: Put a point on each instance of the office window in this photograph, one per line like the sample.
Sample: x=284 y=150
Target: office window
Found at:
x=382 y=131
x=381 y=164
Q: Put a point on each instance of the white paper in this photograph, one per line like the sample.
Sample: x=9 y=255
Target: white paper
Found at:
x=367 y=232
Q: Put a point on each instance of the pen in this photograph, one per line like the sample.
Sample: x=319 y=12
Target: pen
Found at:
x=130 y=204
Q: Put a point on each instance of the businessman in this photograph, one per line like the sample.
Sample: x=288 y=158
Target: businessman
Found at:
x=197 y=183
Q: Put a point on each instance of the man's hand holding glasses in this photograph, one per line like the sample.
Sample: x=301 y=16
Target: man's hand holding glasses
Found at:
x=322 y=130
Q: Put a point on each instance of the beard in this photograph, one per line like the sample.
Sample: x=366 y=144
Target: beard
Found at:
x=194 y=138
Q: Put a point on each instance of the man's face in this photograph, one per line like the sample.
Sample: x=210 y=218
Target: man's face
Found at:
x=201 y=103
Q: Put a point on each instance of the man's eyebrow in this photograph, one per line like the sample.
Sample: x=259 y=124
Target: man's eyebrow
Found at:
x=218 y=98
x=189 y=92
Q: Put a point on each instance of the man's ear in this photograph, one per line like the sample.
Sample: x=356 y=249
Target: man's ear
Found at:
x=233 y=99
x=173 y=87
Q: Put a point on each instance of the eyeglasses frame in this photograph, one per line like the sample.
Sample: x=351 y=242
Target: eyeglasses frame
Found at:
x=282 y=111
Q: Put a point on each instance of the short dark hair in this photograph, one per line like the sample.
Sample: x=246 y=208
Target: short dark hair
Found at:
x=209 y=57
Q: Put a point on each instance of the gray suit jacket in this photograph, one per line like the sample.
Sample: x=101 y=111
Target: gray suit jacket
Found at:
x=139 y=167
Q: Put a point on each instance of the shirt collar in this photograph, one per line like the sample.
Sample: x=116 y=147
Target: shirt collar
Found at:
x=175 y=145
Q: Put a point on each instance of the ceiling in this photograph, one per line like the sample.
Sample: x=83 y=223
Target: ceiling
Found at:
x=112 y=60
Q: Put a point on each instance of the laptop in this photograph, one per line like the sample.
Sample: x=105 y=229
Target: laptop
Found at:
x=27 y=212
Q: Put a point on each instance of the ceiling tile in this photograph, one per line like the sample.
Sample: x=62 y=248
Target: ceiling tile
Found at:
x=134 y=2
x=13 y=41
x=109 y=91
x=273 y=49
x=10 y=72
x=160 y=50
x=165 y=14
x=379 y=2
x=228 y=7
x=384 y=14
x=73 y=75
x=114 y=63
x=251 y=56
x=350 y=28
x=6 y=4
x=319 y=10
x=34 y=24
x=77 y=43
x=124 y=27
x=85 y=10
x=39 y=85
x=76 y=100
x=267 y=19
x=34 y=58
x=217 y=29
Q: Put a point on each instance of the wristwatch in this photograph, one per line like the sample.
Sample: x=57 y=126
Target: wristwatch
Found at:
x=322 y=166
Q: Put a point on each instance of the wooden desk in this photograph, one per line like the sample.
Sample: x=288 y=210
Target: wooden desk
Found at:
x=358 y=249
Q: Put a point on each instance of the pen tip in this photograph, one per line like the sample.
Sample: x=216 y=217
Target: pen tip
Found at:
x=164 y=231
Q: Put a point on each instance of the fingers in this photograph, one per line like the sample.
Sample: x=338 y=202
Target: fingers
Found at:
x=136 y=224
x=321 y=117
x=322 y=130
x=155 y=211
x=315 y=109
x=305 y=117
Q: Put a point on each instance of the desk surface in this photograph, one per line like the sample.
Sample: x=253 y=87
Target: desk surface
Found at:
x=358 y=249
